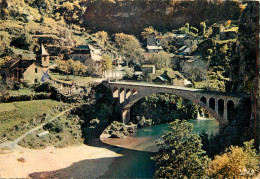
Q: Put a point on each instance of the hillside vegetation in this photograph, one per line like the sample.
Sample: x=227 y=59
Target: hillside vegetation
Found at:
x=63 y=24
x=17 y=117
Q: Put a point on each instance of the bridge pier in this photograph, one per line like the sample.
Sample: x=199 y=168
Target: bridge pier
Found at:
x=125 y=114
x=216 y=105
x=225 y=115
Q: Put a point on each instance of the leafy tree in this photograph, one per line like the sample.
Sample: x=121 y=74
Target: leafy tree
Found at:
x=148 y=31
x=129 y=72
x=160 y=60
x=106 y=63
x=193 y=31
x=101 y=38
x=180 y=154
x=203 y=27
x=227 y=24
x=78 y=67
x=128 y=46
x=185 y=29
x=70 y=66
x=235 y=162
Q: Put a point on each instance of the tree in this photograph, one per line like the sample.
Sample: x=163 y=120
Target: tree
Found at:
x=227 y=24
x=102 y=37
x=128 y=46
x=203 y=27
x=148 y=31
x=185 y=29
x=106 y=63
x=79 y=68
x=160 y=60
x=235 y=162
x=70 y=66
x=180 y=154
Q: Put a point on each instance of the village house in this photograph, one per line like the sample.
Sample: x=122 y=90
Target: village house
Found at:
x=192 y=41
x=187 y=51
x=153 y=43
x=90 y=56
x=173 y=78
x=148 y=69
x=154 y=40
x=80 y=53
x=30 y=71
x=154 y=49
x=179 y=39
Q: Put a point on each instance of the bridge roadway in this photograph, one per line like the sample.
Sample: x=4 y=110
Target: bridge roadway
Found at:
x=216 y=103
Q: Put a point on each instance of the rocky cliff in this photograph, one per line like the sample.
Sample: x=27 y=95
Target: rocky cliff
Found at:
x=245 y=68
x=132 y=16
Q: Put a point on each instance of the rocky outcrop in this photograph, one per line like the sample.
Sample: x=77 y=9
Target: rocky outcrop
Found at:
x=119 y=130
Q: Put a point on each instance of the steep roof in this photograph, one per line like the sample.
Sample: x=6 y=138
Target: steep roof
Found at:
x=9 y=63
x=16 y=63
x=43 y=51
x=82 y=47
x=173 y=74
x=23 y=64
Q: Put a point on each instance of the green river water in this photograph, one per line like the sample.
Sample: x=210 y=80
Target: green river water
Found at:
x=135 y=161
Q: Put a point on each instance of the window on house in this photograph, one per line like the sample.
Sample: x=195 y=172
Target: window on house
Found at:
x=35 y=80
x=36 y=70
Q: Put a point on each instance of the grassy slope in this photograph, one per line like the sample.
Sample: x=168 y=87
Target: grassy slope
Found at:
x=79 y=80
x=13 y=114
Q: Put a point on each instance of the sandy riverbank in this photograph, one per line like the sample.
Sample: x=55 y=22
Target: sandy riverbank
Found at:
x=96 y=160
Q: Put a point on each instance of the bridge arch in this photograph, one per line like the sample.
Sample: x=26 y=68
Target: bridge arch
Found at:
x=134 y=98
x=203 y=99
x=115 y=92
x=230 y=109
x=221 y=107
x=135 y=91
x=128 y=93
x=212 y=103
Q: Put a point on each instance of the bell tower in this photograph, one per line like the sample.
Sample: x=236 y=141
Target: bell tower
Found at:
x=44 y=57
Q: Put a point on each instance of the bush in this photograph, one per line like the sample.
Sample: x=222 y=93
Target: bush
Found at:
x=236 y=162
x=144 y=122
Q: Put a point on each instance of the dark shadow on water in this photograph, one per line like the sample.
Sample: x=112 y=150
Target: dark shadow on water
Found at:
x=132 y=164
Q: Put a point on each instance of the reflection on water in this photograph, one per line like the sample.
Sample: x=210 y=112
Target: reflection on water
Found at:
x=139 y=147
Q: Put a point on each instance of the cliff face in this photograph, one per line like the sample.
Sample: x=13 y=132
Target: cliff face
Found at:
x=245 y=68
x=245 y=61
x=132 y=16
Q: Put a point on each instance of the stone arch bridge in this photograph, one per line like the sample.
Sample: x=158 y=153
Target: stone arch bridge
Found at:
x=216 y=103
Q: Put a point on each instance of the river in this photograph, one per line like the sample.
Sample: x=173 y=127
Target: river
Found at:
x=138 y=148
